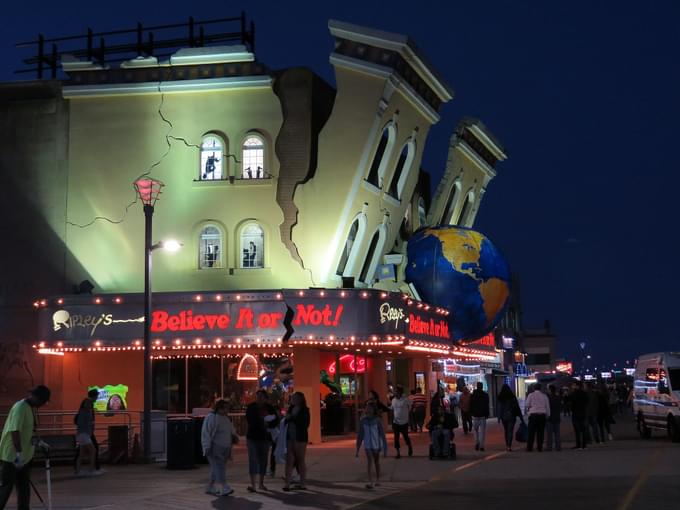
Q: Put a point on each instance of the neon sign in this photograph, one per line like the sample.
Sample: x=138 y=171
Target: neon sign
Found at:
x=418 y=326
x=347 y=365
x=247 y=368
x=565 y=367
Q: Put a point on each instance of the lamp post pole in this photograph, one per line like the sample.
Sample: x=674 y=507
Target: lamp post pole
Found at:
x=148 y=190
x=146 y=433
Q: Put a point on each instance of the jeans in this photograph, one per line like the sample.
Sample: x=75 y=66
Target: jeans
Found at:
x=419 y=416
x=509 y=427
x=580 y=430
x=217 y=459
x=467 y=421
x=536 y=431
x=12 y=476
x=441 y=442
x=258 y=454
x=592 y=425
x=403 y=430
x=479 y=426
x=553 y=431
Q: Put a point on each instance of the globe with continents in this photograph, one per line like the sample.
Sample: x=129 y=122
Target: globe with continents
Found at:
x=461 y=270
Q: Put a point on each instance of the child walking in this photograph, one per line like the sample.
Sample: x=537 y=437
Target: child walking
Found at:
x=372 y=435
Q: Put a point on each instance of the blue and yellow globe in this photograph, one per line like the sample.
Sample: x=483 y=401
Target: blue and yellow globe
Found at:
x=461 y=270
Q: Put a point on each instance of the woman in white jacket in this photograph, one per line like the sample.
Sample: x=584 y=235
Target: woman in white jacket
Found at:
x=216 y=439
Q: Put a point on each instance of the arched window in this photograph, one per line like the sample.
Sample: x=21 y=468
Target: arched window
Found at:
x=465 y=211
x=375 y=249
x=212 y=159
x=252 y=246
x=402 y=170
x=382 y=156
x=252 y=159
x=422 y=213
x=447 y=217
x=356 y=233
x=210 y=247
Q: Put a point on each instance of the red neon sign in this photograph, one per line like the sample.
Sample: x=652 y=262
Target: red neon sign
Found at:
x=187 y=320
x=347 y=365
x=431 y=327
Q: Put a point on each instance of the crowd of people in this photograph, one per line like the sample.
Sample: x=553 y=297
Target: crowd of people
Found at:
x=280 y=438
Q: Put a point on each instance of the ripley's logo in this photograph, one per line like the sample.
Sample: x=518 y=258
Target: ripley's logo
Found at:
x=63 y=319
x=389 y=314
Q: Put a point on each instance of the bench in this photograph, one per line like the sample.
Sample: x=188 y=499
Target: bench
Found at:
x=62 y=448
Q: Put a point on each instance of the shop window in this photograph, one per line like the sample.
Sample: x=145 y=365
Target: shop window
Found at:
x=447 y=217
x=351 y=244
x=252 y=246
x=252 y=162
x=367 y=274
x=210 y=248
x=212 y=159
x=169 y=385
x=402 y=170
x=382 y=156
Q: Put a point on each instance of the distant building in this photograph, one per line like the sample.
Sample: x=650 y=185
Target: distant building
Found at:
x=540 y=346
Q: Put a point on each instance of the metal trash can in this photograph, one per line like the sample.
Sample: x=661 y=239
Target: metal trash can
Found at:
x=118 y=443
x=180 y=443
x=198 y=447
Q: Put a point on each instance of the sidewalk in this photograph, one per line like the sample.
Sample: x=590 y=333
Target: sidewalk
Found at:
x=336 y=479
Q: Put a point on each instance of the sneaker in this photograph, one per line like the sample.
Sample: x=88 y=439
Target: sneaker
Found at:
x=611 y=438
x=210 y=489
x=225 y=492
x=410 y=451
x=95 y=473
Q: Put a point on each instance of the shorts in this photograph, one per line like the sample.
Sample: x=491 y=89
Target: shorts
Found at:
x=83 y=439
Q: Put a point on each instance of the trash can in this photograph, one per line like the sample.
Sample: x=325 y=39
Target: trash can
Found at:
x=180 y=443
x=198 y=447
x=118 y=443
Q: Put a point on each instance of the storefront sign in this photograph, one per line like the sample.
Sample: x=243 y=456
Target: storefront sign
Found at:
x=264 y=316
x=565 y=367
x=112 y=397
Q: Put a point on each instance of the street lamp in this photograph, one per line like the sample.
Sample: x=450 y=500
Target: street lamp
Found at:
x=149 y=189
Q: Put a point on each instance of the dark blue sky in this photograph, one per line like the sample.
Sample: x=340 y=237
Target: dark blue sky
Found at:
x=584 y=95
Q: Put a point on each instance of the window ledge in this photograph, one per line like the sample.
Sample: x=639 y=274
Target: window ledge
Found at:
x=253 y=182
x=210 y=269
x=253 y=271
x=370 y=187
x=393 y=201
x=218 y=183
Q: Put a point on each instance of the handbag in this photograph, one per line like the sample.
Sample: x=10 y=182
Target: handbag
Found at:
x=522 y=432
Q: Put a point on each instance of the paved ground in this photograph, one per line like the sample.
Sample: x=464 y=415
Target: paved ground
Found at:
x=627 y=474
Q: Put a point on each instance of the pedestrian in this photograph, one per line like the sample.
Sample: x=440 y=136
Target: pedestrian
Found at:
x=566 y=402
x=592 y=411
x=553 y=424
x=411 y=414
x=372 y=435
x=217 y=438
x=86 y=443
x=441 y=427
x=466 y=416
x=297 y=435
x=613 y=400
x=375 y=399
x=401 y=407
x=579 y=413
x=419 y=408
x=479 y=409
x=604 y=414
x=261 y=417
x=537 y=408
x=17 y=447
x=508 y=412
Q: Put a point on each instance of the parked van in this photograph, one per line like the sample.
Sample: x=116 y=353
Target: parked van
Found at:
x=657 y=394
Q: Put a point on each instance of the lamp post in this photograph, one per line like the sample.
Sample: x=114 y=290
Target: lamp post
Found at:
x=148 y=189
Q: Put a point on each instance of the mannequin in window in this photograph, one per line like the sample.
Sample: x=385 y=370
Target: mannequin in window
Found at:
x=260 y=173
x=210 y=166
x=249 y=173
x=252 y=253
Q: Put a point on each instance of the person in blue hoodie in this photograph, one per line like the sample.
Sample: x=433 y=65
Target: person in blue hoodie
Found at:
x=372 y=435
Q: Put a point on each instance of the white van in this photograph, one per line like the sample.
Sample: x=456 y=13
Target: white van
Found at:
x=657 y=394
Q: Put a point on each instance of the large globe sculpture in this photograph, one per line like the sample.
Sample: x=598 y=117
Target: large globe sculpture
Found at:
x=461 y=270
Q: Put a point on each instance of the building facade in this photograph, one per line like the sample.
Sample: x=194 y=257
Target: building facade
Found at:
x=281 y=188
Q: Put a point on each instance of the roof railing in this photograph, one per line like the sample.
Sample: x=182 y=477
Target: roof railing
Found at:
x=93 y=47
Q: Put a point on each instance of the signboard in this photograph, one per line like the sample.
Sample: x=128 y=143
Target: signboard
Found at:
x=606 y=375
x=565 y=367
x=263 y=316
x=112 y=397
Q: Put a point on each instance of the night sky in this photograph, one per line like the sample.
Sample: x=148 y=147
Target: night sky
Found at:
x=583 y=94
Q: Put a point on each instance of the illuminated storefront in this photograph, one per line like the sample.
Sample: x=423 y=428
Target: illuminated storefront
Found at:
x=229 y=344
